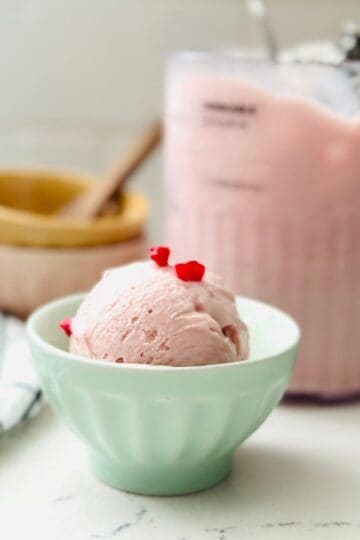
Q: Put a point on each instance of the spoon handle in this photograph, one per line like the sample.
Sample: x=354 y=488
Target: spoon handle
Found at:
x=93 y=202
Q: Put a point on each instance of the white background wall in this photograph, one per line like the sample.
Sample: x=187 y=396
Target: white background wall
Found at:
x=78 y=77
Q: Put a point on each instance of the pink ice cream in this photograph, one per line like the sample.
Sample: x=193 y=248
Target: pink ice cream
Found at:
x=143 y=313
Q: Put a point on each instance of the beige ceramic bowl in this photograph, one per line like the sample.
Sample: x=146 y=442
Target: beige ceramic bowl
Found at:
x=31 y=276
x=43 y=257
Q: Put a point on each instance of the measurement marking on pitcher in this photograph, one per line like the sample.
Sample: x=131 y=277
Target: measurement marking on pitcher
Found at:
x=229 y=107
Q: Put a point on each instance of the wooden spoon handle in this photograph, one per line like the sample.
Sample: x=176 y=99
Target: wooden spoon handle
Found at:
x=92 y=203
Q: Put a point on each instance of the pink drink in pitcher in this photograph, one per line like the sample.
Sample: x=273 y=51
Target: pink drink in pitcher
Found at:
x=263 y=185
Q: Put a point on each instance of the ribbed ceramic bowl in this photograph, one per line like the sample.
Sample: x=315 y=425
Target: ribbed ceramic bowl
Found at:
x=164 y=430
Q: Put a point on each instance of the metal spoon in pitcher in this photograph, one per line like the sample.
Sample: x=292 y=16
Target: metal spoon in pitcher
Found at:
x=258 y=10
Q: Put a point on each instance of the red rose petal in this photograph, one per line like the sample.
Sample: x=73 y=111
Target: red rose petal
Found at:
x=190 y=271
x=65 y=325
x=160 y=255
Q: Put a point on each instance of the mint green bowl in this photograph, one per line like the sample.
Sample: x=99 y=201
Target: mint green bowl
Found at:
x=163 y=430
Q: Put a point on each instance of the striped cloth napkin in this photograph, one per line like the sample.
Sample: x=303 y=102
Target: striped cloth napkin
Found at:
x=20 y=393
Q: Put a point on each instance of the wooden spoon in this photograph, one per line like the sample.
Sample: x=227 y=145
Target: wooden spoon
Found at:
x=96 y=201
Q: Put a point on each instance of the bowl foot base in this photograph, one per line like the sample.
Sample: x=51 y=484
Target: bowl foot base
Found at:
x=177 y=479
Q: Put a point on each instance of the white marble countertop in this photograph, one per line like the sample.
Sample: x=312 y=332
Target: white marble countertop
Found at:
x=297 y=477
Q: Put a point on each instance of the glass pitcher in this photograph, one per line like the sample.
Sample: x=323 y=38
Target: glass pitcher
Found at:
x=263 y=186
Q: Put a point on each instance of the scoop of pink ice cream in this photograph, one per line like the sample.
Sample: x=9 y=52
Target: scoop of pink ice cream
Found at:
x=141 y=313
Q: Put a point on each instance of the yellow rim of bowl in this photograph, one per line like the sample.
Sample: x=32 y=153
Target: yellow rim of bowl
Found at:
x=47 y=229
